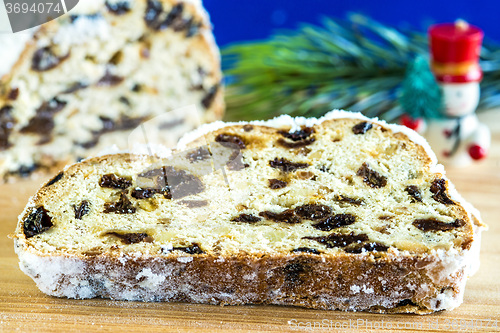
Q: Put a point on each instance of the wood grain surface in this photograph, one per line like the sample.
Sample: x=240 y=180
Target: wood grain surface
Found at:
x=24 y=308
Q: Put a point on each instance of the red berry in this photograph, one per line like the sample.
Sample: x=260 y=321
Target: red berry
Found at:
x=477 y=152
x=409 y=122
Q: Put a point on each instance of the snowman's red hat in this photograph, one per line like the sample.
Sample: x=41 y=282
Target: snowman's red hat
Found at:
x=455 y=49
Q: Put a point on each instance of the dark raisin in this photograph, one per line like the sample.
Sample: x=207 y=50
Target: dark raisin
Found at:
x=192 y=249
x=235 y=161
x=323 y=168
x=145 y=193
x=137 y=87
x=297 y=144
x=7 y=123
x=246 y=218
x=182 y=183
x=118 y=8
x=132 y=237
x=230 y=140
x=406 y=302
x=75 y=87
x=113 y=181
x=306 y=250
x=154 y=10
x=95 y=16
x=54 y=180
x=192 y=28
x=277 y=184
x=122 y=206
x=124 y=100
x=199 y=154
x=300 y=138
x=313 y=211
x=13 y=94
x=247 y=128
x=82 y=209
x=194 y=203
x=37 y=222
x=438 y=187
x=25 y=170
x=125 y=123
x=371 y=177
x=433 y=224
x=362 y=128
x=333 y=222
x=293 y=273
x=346 y=199
x=287 y=216
x=44 y=59
x=197 y=87
x=174 y=19
x=414 y=192
x=179 y=183
x=367 y=247
x=109 y=80
x=287 y=166
x=43 y=121
x=110 y=125
x=157 y=19
x=339 y=240
x=181 y=24
x=298 y=135
x=209 y=98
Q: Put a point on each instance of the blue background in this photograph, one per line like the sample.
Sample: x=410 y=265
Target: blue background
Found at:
x=237 y=20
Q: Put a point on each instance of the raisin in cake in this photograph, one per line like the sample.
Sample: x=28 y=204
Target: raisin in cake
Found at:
x=342 y=212
x=82 y=82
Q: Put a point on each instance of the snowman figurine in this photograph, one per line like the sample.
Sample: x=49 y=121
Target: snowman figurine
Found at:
x=457 y=137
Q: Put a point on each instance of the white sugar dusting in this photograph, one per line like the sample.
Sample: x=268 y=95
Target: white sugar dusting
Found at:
x=185 y=259
x=11 y=47
x=83 y=29
x=355 y=289
x=151 y=280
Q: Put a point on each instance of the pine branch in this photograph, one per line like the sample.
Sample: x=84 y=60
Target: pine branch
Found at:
x=357 y=64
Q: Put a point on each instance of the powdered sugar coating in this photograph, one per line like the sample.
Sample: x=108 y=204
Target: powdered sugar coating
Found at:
x=82 y=29
x=128 y=278
x=12 y=45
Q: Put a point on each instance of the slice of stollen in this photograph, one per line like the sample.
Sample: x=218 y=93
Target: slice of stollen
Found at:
x=82 y=82
x=341 y=212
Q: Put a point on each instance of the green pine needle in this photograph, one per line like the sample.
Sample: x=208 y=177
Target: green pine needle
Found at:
x=420 y=93
x=357 y=64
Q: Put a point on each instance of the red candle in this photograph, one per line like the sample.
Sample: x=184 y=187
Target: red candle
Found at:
x=455 y=49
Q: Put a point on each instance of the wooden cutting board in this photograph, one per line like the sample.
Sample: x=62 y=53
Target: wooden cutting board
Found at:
x=24 y=308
